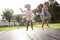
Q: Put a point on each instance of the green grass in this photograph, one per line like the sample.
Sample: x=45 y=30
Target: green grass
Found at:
x=53 y=25
x=10 y=27
x=56 y=25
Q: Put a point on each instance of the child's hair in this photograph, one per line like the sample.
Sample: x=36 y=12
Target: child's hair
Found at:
x=27 y=5
x=46 y=3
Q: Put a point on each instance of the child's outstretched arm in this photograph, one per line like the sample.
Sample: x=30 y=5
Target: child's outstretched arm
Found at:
x=22 y=10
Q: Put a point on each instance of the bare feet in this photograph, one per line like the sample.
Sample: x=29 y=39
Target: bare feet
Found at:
x=42 y=28
x=26 y=29
x=48 y=26
x=32 y=29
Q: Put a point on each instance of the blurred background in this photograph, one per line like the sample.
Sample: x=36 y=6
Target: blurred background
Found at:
x=12 y=17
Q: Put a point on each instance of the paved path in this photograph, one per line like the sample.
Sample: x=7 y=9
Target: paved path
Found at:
x=36 y=34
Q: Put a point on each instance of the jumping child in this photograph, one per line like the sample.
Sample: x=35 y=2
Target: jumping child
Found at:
x=29 y=16
x=45 y=16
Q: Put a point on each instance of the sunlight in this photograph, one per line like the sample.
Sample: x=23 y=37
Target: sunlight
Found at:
x=19 y=34
x=16 y=4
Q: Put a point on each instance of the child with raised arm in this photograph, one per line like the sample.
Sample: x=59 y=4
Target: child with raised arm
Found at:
x=45 y=14
x=29 y=16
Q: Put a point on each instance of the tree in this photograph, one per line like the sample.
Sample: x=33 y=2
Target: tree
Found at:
x=51 y=1
x=18 y=18
x=55 y=12
x=37 y=12
x=8 y=14
x=14 y=19
x=21 y=19
x=38 y=9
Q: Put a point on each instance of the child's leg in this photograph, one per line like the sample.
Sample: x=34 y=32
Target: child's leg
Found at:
x=48 y=22
x=27 y=25
x=43 y=22
x=31 y=24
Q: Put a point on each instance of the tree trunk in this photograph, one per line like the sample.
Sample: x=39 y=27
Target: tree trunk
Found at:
x=9 y=23
x=14 y=24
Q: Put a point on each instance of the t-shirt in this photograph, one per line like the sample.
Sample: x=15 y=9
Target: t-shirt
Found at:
x=29 y=13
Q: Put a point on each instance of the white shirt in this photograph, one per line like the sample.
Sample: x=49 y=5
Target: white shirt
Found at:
x=29 y=13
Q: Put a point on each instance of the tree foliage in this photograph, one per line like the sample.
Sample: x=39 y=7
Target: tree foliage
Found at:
x=8 y=14
x=55 y=12
x=18 y=18
x=38 y=10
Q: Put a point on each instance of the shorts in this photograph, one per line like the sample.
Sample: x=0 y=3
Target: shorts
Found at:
x=45 y=17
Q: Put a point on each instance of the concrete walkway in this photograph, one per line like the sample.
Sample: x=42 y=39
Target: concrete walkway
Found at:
x=36 y=34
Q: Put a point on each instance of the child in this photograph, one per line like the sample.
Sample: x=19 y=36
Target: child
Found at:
x=45 y=16
x=29 y=16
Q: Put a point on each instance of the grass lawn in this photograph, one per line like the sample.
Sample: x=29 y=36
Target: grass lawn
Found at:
x=56 y=25
x=53 y=25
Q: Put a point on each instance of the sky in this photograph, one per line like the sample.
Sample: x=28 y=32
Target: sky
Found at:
x=16 y=4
